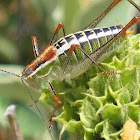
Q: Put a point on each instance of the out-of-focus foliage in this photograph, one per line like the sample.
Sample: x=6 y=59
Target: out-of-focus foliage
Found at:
x=19 y=21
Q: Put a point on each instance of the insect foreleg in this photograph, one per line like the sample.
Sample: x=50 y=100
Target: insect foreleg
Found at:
x=36 y=49
x=57 y=101
x=60 y=25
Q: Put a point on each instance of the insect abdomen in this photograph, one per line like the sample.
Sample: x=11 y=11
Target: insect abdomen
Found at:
x=90 y=40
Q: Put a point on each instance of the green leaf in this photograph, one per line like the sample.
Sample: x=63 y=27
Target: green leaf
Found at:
x=110 y=100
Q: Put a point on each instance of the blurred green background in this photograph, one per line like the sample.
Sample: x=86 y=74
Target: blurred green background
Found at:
x=22 y=19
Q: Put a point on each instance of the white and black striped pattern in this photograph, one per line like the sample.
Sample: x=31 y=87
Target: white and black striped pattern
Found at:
x=93 y=38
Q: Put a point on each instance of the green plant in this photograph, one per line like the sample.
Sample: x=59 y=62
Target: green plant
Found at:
x=40 y=19
x=96 y=105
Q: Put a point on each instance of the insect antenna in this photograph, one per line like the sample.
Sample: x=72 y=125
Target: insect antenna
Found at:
x=34 y=102
x=10 y=73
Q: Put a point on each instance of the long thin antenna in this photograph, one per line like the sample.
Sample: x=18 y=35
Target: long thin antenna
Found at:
x=36 y=106
x=11 y=73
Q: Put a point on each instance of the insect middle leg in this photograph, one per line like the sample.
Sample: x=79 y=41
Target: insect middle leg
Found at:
x=60 y=25
x=36 y=49
x=72 y=48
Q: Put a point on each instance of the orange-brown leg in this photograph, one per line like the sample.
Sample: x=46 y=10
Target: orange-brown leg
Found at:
x=36 y=49
x=60 y=25
x=57 y=101
x=35 y=46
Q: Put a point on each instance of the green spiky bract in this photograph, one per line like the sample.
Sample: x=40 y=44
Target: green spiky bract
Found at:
x=96 y=105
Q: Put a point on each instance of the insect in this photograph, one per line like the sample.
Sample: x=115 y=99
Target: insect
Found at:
x=73 y=54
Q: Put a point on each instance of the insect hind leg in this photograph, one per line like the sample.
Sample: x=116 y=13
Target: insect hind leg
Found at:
x=111 y=6
x=134 y=4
